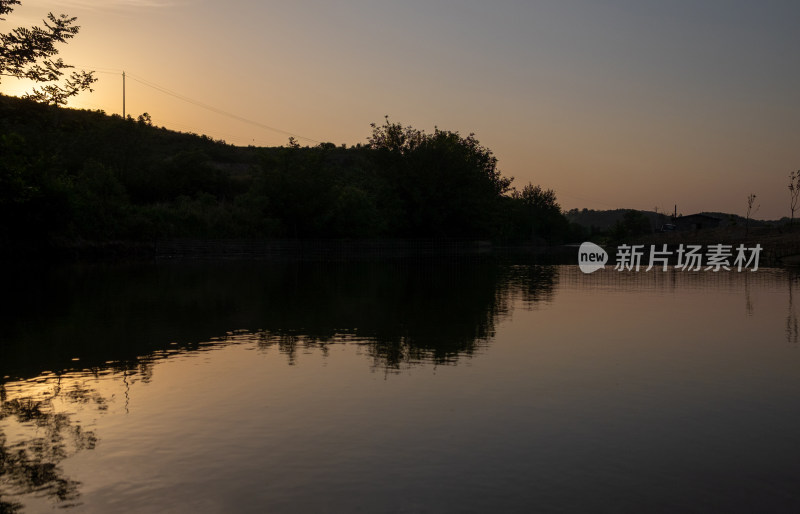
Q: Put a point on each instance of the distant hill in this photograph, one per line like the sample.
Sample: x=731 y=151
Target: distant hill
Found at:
x=603 y=220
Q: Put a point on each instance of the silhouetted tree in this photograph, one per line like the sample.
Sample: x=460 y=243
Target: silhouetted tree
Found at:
x=394 y=137
x=794 y=192
x=542 y=213
x=145 y=119
x=443 y=184
x=751 y=200
x=30 y=53
x=633 y=223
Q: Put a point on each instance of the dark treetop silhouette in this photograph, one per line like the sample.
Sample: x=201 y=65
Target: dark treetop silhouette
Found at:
x=30 y=53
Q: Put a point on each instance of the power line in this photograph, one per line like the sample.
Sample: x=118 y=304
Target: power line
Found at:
x=173 y=125
x=179 y=96
x=197 y=103
x=107 y=71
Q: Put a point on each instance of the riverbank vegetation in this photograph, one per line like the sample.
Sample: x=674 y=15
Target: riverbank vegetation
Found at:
x=71 y=176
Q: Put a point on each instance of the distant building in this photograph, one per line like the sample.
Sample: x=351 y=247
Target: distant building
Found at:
x=696 y=222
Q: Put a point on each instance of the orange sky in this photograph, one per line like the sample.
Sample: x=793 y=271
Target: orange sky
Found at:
x=634 y=104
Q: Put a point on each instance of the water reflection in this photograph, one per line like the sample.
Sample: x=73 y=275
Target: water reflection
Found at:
x=122 y=320
x=791 y=317
x=614 y=373
x=436 y=314
x=36 y=435
x=113 y=316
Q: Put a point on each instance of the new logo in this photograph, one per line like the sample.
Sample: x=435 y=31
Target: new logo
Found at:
x=591 y=257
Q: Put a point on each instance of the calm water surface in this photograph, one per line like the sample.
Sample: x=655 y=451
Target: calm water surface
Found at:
x=398 y=387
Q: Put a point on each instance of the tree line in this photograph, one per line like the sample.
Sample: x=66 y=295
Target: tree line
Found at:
x=71 y=175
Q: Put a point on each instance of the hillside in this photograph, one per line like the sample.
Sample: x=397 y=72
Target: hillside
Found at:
x=69 y=176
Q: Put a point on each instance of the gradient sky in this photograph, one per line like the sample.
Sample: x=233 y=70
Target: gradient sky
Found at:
x=616 y=104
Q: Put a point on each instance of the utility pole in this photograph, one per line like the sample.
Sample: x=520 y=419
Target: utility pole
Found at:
x=123 y=95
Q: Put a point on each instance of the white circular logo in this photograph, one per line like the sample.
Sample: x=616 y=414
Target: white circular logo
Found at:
x=591 y=257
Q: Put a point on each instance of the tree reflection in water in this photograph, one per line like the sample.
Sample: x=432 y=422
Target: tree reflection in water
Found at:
x=436 y=314
x=42 y=438
x=124 y=321
x=400 y=313
x=435 y=310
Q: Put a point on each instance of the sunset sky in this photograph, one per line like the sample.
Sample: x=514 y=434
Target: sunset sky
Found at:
x=616 y=104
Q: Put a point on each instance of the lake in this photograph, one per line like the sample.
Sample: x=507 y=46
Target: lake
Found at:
x=427 y=385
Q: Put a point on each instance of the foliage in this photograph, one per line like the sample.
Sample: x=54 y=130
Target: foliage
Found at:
x=634 y=223
x=447 y=185
x=30 y=53
x=69 y=175
x=536 y=214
